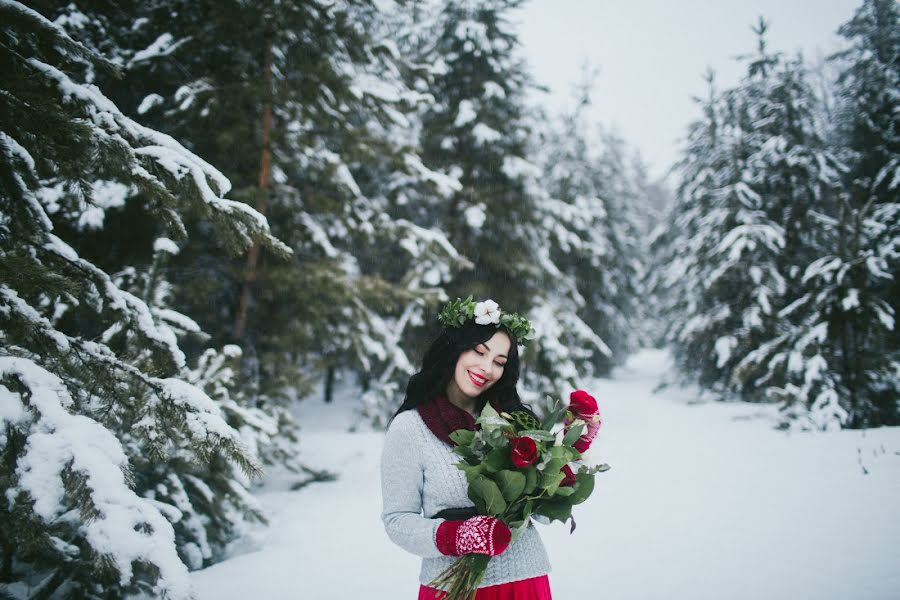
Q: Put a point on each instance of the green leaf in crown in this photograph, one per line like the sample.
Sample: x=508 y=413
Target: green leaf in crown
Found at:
x=458 y=311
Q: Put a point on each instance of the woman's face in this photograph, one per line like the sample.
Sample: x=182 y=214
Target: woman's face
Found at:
x=482 y=366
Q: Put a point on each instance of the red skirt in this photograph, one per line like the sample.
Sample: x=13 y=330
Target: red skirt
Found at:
x=536 y=588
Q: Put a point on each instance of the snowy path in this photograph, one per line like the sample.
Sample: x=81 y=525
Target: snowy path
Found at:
x=703 y=501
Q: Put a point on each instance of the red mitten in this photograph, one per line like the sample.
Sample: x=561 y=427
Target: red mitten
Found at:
x=481 y=535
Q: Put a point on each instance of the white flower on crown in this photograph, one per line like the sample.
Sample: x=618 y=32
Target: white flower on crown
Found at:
x=487 y=312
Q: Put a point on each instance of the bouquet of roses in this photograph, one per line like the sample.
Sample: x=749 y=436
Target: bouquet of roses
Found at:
x=518 y=467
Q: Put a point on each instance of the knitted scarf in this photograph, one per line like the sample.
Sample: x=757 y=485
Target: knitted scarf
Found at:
x=443 y=418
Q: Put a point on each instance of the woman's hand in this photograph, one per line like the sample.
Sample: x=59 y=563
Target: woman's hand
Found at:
x=479 y=535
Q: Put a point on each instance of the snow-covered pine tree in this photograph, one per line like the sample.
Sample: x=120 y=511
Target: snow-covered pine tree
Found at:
x=616 y=300
x=588 y=319
x=844 y=360
x=720 y=232
x=801 y=176
x=342 y=163
x=212 y=498
x=671 y=258
x=750 y=178
x=869 y=242
x=476 y=131
x=83 y=360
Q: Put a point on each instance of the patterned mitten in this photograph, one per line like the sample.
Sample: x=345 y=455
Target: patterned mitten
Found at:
x=481 y=535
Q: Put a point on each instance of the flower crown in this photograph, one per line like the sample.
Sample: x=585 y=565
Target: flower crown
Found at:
x=488 y=312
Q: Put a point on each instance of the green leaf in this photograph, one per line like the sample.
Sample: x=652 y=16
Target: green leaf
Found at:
x=512 y=484
x=476 y=499
x=551 y=480
x=466 y=453
x=518 y=528
x=472 y=471
x=562 y=453
x=538 y=435
x=584 y=486
x=559 y=510
x=554 y=415
x=528 y=509
x=495 y=438
x=531 y=479
x=573 y=434
x=494 y=504
x=566 y=490
x=462 y=437
x=496 y=460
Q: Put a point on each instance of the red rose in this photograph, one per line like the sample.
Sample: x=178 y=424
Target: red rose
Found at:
x=523 y=451
x=582 y=404
x=569 y=478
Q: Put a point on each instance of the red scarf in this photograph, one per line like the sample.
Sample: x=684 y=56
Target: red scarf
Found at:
x=443 y=418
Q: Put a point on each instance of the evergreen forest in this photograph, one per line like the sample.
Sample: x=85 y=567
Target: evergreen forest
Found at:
x=210 y=211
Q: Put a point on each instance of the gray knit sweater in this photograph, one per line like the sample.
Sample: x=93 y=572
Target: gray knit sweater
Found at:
x=419 y=479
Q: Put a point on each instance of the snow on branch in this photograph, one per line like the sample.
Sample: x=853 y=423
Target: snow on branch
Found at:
x=163 y=151
x=126 y=528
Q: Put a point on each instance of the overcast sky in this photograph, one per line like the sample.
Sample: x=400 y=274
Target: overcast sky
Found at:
x=651 y=55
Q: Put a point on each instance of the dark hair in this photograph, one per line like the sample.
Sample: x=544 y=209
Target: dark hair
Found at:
x=440 y=360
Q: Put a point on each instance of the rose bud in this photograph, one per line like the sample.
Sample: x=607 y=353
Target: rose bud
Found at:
x=582 y=404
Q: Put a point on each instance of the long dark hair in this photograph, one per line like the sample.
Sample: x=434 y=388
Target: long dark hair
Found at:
x=439 y=363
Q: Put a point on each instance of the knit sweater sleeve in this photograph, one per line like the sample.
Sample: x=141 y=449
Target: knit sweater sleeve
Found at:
x=402 y=481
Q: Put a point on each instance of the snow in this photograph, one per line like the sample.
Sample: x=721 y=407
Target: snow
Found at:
x=709 y=498
x=164 y=244
x=127 y=528
x=485 y=135
x=13 y=149
x=149 y=102
x=515 y=167
x=465 y=114
x=445 y=184
x=203 y=416
x=724 y=346
x=163 y=45
x=851 y=300
x=475 y=215
x=492 y=89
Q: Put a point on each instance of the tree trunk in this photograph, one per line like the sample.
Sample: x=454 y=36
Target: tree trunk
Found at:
x=262 y=203
x=329 y=384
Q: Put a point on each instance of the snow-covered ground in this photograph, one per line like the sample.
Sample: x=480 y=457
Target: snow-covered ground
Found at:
x=704 y=500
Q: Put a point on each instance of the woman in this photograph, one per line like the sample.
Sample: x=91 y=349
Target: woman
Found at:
x=473 y=361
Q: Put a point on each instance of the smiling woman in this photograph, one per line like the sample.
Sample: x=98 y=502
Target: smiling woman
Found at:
x=473 y=361
x=477 y=370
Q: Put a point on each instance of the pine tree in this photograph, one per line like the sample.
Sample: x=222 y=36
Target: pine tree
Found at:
x=83 y=361
x=869 y=239
x=590 y=251
x=476 y=132
x=728 y=276
x=840 y=357
x=337 y=176
x=754 y=173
